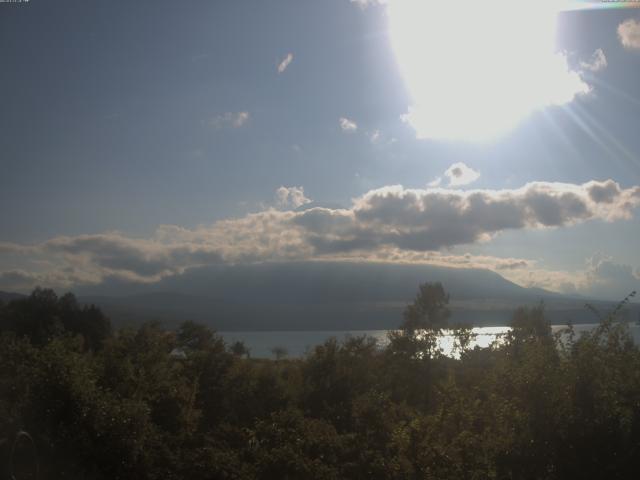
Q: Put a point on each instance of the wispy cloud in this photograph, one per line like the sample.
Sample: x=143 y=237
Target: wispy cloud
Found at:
x=629 y=33
x=285 y=62
x=291 y=197
x=460 y=174
x=347 y=125
x=230 y=120
x=368 y=3
x=597 y=62
x=374 y=136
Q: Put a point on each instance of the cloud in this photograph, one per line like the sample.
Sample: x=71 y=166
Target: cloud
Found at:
x=347 y=125
x=604 y=192
x=18 y=279
x=435 y=218
x=602 y=277
x=461 y=174
x=390 y=223
x=22 y=280
x=374 y=136
x=597 y=62
x=611 y=279
x=368 y=3
x=512 y=264
x=436 y=258
x=629 y=33
x=136 y=258
x=291 y=197
x=286 y=61
x=230 y=119
x=14 y=248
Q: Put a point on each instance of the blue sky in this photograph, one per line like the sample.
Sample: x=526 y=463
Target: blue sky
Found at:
x=143 y=138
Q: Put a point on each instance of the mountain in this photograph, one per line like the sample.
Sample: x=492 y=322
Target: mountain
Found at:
x=322 y=296
x=6 y=297
x=303 y=282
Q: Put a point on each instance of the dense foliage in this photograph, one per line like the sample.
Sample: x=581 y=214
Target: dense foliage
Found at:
x=148 y=403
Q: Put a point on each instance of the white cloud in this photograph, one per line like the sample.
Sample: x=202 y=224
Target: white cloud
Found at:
x=347 y=125
x=286 y=61
x=597 y=62
x=562 y=281
x=602 y=277
x=610 y=278
x=435 y=182
x=368 y=3
x=460 y=174
x=391 y=223
x=375 y=136
x=291 y=197
x=230 y=119
x=629 y=33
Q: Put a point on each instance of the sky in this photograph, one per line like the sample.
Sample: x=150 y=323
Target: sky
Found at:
x=142 y=139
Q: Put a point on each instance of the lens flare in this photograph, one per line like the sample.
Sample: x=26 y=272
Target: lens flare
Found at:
x=475 y=69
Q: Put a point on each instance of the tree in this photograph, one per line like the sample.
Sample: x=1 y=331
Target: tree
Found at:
x=530 y=323
x=88 y=321
x=429 y=310
x=35 y=317
x=43 y=316
x=239 y=349
x=423 y=322
x=523 y=408
x=195 y=336
x=279 y=352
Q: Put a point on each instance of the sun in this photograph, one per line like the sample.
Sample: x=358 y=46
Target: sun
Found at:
x=475 y=68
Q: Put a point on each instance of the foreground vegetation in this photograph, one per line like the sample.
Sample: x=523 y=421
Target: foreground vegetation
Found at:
x=148 y=403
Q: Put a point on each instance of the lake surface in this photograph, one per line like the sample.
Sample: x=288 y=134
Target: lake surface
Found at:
x=297 y=343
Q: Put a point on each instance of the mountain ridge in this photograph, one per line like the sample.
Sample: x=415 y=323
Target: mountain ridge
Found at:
x=322 y=296
x=328 y=296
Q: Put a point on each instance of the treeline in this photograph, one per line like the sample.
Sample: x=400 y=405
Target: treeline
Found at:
x=148 y=403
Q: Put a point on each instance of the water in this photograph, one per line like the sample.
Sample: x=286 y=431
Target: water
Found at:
x=297 y=343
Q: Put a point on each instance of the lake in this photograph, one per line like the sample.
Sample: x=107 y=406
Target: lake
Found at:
x=297 y=343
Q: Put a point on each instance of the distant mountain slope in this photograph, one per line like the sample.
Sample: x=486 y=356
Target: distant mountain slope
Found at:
x=8 y=296
x=323 y=296
x=304 y=282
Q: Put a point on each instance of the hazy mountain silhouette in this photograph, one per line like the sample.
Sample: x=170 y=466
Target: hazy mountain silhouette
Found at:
x=321 y=296
x=8 y=296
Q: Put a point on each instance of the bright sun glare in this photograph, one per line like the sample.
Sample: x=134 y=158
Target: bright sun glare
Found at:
x=476 y=68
